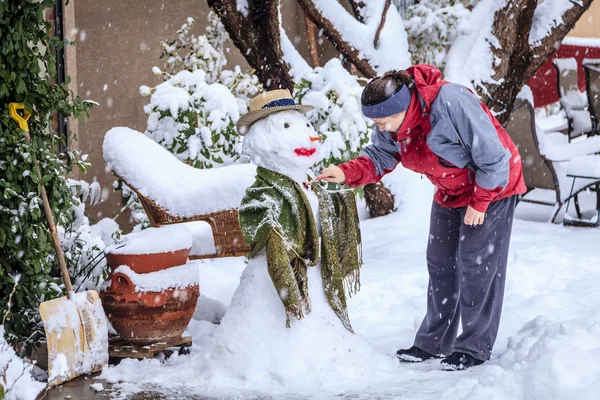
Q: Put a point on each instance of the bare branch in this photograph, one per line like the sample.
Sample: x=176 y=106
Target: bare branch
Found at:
x=312 y=42
x=386 y=7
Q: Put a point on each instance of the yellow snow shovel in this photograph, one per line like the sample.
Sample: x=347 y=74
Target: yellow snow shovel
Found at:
x=76 y=329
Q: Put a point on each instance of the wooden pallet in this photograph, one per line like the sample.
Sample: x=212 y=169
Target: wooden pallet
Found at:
x=120 y=349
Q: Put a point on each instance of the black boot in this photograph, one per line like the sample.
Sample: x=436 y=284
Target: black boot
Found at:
x=459 y=362
x=414 y=354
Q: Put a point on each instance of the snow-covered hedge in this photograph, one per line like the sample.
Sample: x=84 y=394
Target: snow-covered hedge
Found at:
x=432 y=26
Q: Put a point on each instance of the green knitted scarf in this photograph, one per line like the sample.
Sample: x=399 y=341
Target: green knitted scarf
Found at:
x=276 y=214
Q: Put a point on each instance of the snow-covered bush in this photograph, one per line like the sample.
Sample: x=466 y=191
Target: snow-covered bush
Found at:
x=432 y=26
x=84 y=244
x=194 y=111
x=337 y=117
x=195 y=120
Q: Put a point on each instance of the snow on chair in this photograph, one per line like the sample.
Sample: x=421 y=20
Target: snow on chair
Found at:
x=548 y=158
x=573 y=101
x=173 y=192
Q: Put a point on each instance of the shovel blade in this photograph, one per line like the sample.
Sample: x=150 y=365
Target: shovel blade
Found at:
x=77 y=336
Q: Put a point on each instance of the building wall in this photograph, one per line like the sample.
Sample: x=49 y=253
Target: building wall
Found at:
x=118 y=43
x=589 y=23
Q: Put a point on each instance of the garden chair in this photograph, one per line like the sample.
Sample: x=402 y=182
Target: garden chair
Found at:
x=573 y=101
x=548 y=159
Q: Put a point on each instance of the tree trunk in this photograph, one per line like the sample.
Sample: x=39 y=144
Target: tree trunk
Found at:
x=518 y=59
x=380 y=200
x=257 y=37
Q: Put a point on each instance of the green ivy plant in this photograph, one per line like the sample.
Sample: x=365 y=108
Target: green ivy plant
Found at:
x=28 y=75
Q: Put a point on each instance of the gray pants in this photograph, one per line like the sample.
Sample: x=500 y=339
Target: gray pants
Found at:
x=467 y=271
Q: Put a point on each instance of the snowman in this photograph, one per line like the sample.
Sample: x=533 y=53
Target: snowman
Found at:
x=288 y=318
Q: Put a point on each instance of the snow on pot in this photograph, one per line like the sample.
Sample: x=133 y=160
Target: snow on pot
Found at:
x=153 y=307
x=151 y=250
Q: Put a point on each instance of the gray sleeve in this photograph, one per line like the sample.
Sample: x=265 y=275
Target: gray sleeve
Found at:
x=458 y=117
x=383 y=151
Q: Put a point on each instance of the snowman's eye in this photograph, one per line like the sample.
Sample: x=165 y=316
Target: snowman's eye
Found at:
x=307 y=125
x=286 y=125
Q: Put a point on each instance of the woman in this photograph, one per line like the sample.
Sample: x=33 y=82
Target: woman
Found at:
x=442 y=130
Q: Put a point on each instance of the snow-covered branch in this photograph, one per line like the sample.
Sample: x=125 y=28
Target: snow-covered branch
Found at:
x=509 y=41
x=355 y=39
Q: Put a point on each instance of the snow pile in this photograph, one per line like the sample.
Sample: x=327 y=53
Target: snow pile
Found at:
x=203 y=240
x=552 y=272
x=154 y=240
x=16 y=379
x=337 y=116
x=208 y=309
x=545 y=360
x=180 y=189
x=179 y=277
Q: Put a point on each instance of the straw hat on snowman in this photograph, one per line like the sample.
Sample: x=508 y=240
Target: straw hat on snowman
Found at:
x=268 y=103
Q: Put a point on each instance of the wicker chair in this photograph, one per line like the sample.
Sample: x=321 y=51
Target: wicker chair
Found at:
x=159 y=172
x=227 y=233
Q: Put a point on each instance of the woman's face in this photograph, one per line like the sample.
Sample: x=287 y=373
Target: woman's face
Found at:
x=390 y=124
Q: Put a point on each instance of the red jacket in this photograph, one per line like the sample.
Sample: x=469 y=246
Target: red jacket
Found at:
x=456 y=126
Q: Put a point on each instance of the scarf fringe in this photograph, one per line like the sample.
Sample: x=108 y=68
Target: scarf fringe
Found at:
x=293 y=311
x=352 y=281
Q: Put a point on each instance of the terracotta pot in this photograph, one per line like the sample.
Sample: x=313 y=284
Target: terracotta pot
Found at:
x=148 y=317
x=145 y=263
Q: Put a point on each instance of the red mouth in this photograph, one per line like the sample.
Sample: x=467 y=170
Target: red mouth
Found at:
x=304 y=152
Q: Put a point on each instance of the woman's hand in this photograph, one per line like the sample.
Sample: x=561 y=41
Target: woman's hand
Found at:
x=332 y=174
x=473 y=217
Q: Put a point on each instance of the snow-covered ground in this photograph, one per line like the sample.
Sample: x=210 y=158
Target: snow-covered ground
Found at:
x=548 y=345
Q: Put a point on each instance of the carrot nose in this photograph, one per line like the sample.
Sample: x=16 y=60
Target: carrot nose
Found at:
x=315 y=138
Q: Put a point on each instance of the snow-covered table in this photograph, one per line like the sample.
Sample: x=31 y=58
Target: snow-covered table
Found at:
x=588 y=168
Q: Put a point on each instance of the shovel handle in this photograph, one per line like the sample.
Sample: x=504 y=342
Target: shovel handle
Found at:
x=13 y=107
